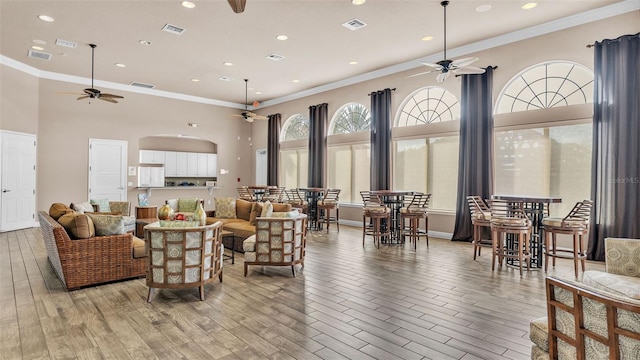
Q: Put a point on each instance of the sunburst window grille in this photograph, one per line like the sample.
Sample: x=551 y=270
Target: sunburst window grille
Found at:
x=350 y=118
x=428 y=105
x=295 y=128
x=547 y=85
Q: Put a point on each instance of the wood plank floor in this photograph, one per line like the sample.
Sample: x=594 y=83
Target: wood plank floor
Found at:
x=349 y=302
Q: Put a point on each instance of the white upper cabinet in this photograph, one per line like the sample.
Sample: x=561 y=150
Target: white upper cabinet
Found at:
x=202 y=164
x=152 y=157
x=171 y=163
x=181 y=158
x=212 y=165
x=192 y=164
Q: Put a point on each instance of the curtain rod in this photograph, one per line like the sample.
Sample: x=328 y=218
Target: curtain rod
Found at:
x=369 y=94
x=493 y=67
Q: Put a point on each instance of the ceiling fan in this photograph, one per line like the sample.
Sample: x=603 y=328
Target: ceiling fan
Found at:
x=93 y=93
x=446 y=67
x=237 y=5
x=247 y=115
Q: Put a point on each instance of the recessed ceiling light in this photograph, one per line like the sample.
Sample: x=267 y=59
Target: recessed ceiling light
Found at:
x=353 y=62
x=427 y=38
x=193 y=124
x=529 y=6
x=258 y=92
x=195 y=80
x=39 y=42
x=358 y=2
x=227 y=63
x=188 y=4
x=282 y=37
x=120 y=65
x=34 y=47
x=145 y=42
x=295 y=81
x=483 y=8
x=46 y=18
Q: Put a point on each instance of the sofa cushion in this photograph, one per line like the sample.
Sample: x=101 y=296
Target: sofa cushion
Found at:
x=80 y=226
x=108 y=224
x=241 y=229
x=267 y=209
x=187 y=204
x=249 y=244
x=58 y=209
x=82 y=207
x=539 y=332
x=226 y=208
x=618 y=284
x=281 y=207
x=103 y=204
x=138 y=246
x=256 y=210
x=213 y=220
x=243 y=209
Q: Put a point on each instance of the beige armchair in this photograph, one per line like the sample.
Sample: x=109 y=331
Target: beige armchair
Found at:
x=182 y=257
x=598 y=318
x=277 y=242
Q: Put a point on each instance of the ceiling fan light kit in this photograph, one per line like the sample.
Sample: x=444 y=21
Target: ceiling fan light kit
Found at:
x=446 y=66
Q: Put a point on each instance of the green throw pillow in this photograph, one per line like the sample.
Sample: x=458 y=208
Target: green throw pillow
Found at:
x=187 y=204
x=103 y=204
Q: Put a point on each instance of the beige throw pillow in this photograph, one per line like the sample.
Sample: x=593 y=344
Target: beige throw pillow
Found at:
x=267 y=209
x=226 y=208
x=108 y=224
x=79 y=226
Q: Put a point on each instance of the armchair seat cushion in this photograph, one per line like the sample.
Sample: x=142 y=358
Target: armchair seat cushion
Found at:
x=138 y=246
x=561 y=223
x=510 y=221
x=240 y=229
x=617 y=284
x=249 y=244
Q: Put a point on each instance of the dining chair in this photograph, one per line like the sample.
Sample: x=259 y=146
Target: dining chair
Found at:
x=510 y=220
x=415 y=209
x=329 y=202
x=480 y=218
x=576 y=224
x=244 y=193
x=293 y=197
x=371 y=204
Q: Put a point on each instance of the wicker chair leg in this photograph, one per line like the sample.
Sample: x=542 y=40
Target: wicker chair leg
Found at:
x=201 y=290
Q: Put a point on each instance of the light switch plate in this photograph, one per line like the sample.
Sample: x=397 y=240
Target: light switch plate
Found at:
x=132 y=171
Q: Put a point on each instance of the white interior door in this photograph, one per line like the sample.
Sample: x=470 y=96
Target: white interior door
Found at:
x=107 y=169
x=261 y=167
x=17 y=181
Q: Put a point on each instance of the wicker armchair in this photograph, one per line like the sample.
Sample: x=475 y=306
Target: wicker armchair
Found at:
x=96 y=260
x=183 y=257
x=277 y=242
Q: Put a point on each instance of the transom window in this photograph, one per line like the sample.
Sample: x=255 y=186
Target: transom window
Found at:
x=350 y=118
x=547 y=85
x=428 y=105
x=295 y=128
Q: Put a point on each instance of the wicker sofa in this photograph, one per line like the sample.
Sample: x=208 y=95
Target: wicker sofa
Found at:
x=240 y=223
x=597 y=318
x=93 y=260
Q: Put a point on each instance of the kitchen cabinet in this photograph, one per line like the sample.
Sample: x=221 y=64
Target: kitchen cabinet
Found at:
x=152 y=157
x=212 y=165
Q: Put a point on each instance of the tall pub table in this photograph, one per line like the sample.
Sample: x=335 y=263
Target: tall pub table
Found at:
x=394 y=199
x=535 y=207
x=313 y=195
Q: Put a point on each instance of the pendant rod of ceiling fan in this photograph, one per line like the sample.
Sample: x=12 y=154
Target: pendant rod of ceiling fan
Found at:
x=93 y=49
x=444 y=5
x=246 y=91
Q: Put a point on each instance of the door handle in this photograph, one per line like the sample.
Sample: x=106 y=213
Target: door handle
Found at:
x=5 y=190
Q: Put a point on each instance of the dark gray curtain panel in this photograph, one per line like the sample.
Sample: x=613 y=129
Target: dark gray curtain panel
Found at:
x=475 y=162
x=273 y=148
x=318 y=115
x=381 y=140
x=615 y=165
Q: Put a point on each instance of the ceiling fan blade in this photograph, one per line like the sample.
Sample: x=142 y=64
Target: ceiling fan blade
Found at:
x=469 y=70
x=237 y=5
x=435 y=66
x=260 y=117
x=107 y=99
x=463 y=62
x=419 y=74
x=442 y=77
x=83 y=97
x=111 y=96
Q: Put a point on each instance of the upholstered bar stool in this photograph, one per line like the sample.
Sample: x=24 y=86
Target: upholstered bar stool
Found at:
x=508 y=220
x=330 y=202
x=480 y=218
x=370 y=203
x=415 y=209
x=380 y=226
x=576 y=224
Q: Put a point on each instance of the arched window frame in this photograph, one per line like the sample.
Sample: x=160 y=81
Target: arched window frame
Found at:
x=294 y=120
x=436 y=107
x=350 y=112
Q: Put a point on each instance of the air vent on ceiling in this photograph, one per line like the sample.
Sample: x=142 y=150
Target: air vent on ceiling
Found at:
x=354 y=24
x=146 y=86
x=66 y=43
x=225 y=78
x=173 y=29
x=39 y=55
x=275 y=57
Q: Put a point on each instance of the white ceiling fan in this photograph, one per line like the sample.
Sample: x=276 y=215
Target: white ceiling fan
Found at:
x=247 y=115
x=446 y=67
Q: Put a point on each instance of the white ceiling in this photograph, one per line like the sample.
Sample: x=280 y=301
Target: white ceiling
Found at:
x=317 y=52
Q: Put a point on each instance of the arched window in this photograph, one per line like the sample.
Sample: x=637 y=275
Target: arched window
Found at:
x=350 y=118
x=295 y=128
x=428 y=105
x=547 y=85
